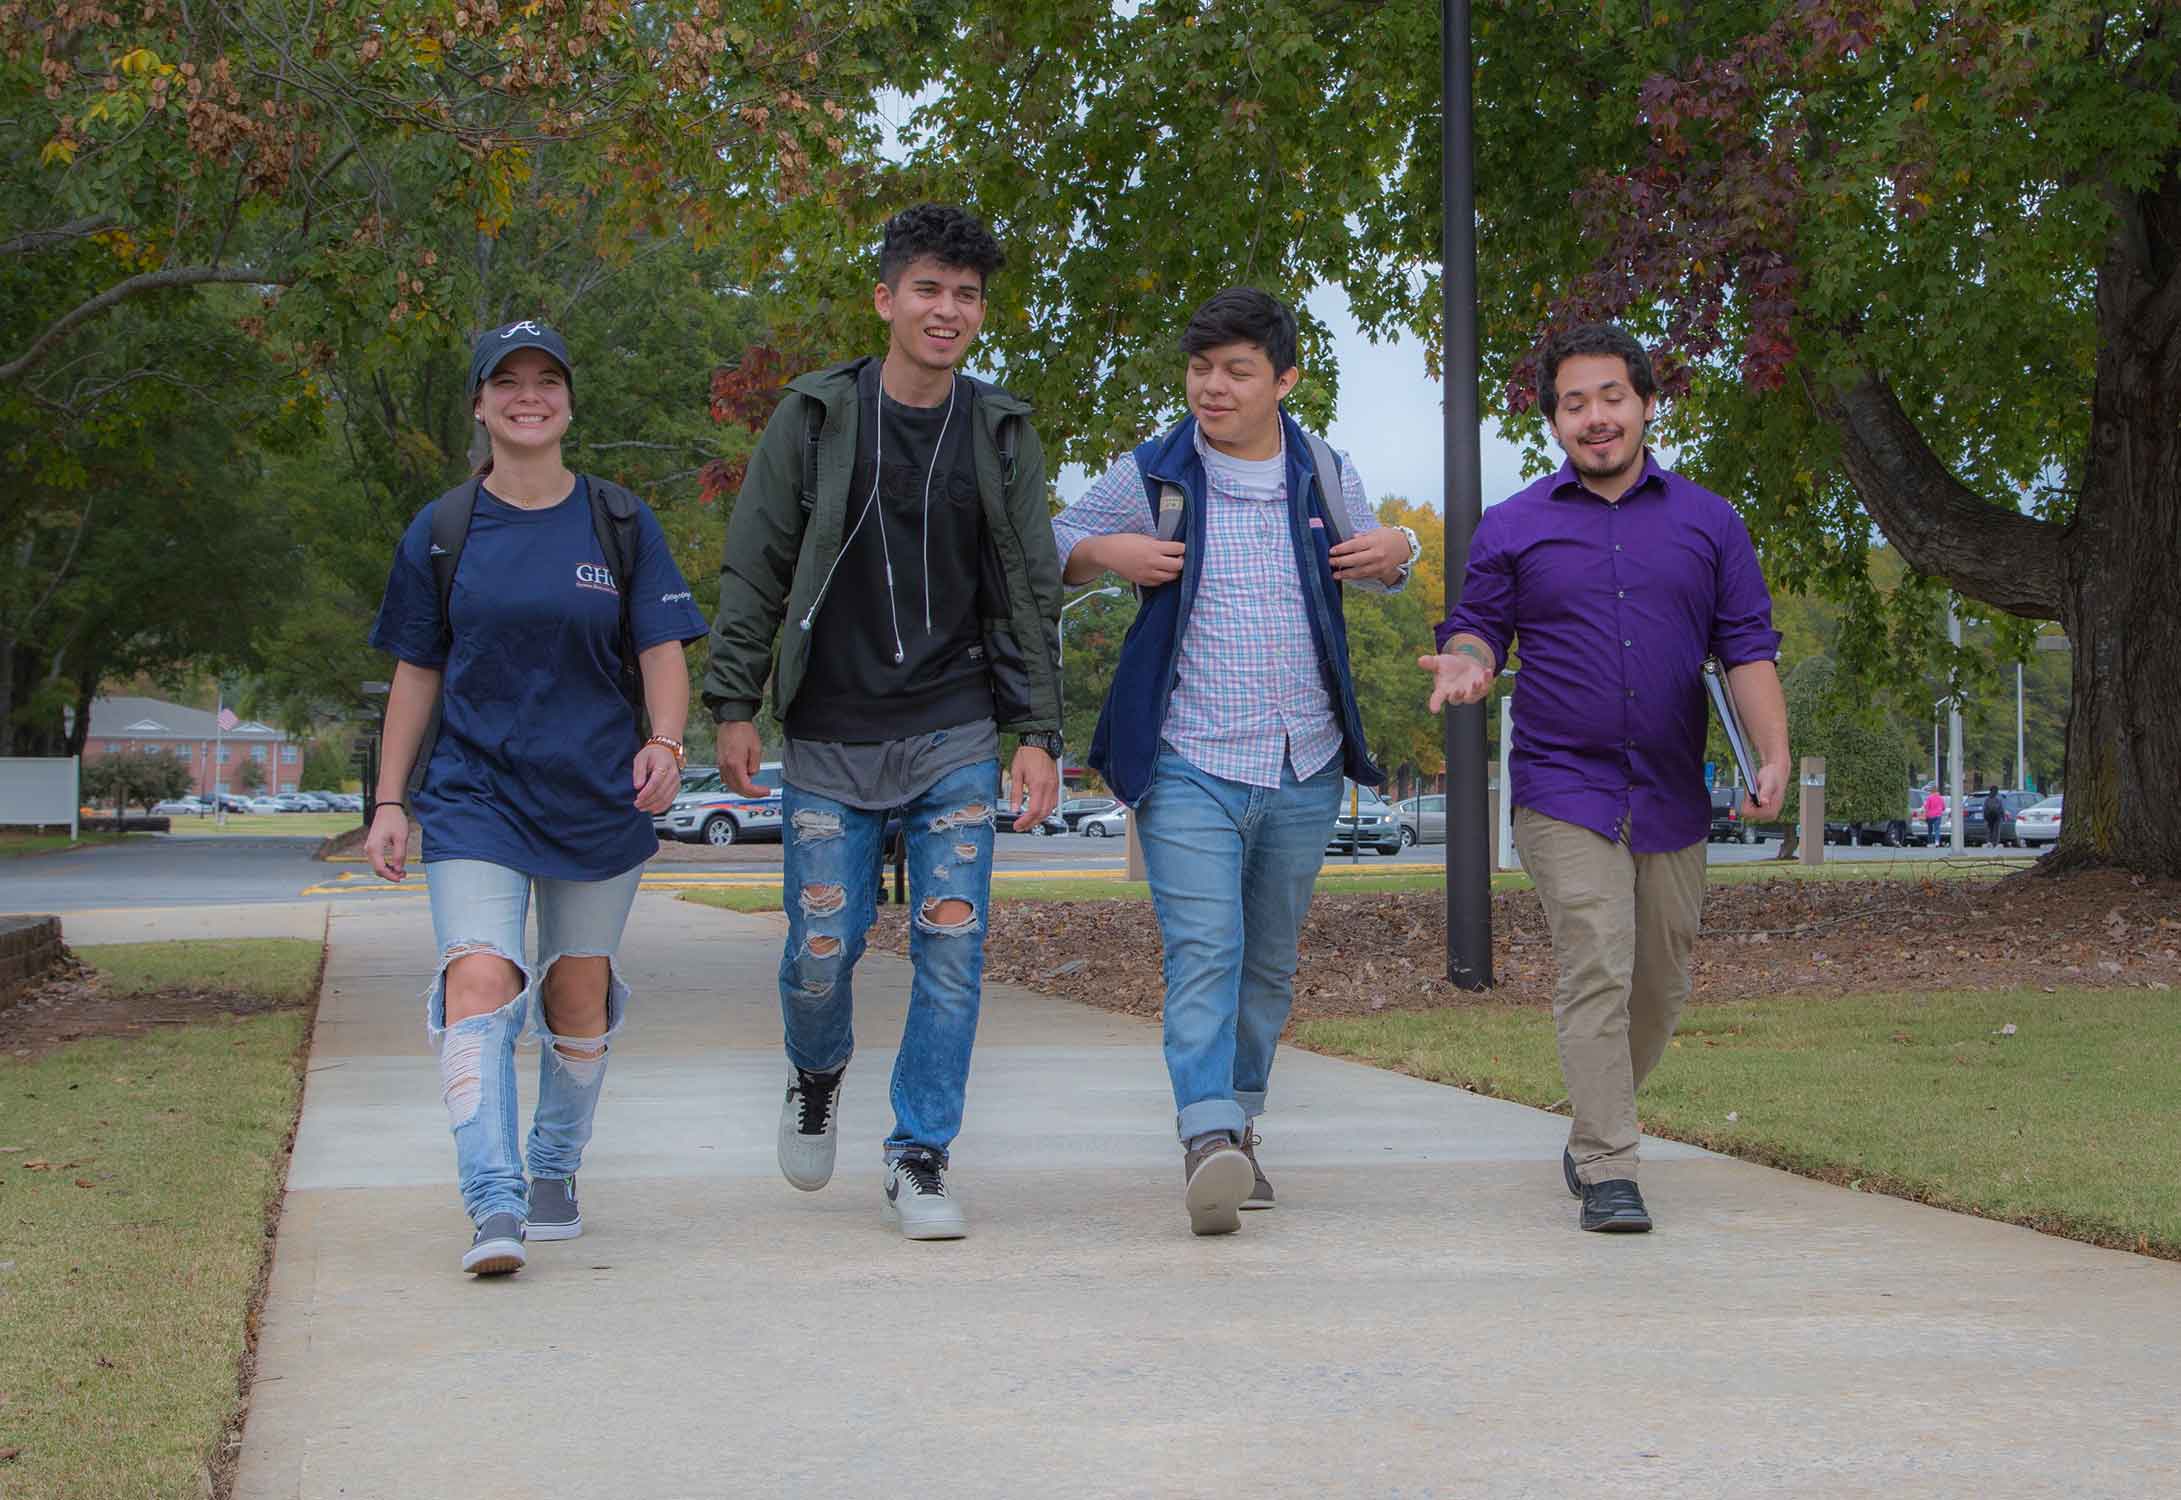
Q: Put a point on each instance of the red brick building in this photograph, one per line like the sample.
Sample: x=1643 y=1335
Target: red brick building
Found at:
x=152 y=727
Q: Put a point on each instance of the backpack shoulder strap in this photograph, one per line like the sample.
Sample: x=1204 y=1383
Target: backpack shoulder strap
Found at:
x=1332 y=499
x=1172 y=505
x=450 y=532
x=813 y=431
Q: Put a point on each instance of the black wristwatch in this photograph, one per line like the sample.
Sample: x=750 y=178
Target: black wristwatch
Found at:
x=1046 y=740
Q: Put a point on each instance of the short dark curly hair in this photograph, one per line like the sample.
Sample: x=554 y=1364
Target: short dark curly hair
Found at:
x=952 y=236
x=1591 y=338
x=1244 y=315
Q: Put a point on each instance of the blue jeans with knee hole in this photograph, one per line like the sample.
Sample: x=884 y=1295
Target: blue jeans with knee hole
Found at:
x=482 y=908
x=1232 y=867
x=831 y=890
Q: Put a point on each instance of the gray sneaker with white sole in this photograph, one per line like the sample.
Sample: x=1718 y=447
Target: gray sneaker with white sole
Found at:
x=498 y=1247
x=1216 y=1178
x=1260 y=1193
x=554 y=1212
x=810 y=1128
x=917 y=1200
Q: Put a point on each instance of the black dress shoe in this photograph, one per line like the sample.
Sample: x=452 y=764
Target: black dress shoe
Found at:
x=1567 y=1170
x=1614 y=1208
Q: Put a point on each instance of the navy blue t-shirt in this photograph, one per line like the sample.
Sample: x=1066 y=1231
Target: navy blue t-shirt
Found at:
x=536 y=753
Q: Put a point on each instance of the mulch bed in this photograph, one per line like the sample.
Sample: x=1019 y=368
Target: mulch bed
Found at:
x=1761 y=939
x=73 y=1003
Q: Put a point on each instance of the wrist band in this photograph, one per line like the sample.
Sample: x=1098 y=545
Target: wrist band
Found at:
x=673 y=747
x=373 y=810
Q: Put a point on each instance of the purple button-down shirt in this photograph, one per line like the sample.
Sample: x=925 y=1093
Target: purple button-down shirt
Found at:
x=1614 y=606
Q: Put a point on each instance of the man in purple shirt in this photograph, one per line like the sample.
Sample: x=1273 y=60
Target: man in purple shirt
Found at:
x=1618 y=578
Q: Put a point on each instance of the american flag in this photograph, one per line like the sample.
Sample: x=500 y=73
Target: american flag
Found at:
x=228 y=720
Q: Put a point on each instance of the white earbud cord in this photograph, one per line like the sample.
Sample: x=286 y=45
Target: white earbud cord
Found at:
x=878 y=448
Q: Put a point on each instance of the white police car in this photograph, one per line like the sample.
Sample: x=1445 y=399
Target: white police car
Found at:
x=707 y=811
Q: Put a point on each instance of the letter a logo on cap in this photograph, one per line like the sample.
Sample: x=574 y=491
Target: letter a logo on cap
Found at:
x=525 y=326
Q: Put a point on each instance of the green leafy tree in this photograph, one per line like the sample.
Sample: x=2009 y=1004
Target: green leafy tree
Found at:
x=325 y=765
x=250 y=776
x=134 y=779
x=1912 y=270
x=1866 y=761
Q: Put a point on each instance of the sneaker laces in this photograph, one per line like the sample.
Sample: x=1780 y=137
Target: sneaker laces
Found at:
x=818 y=1091
x=923 y=1175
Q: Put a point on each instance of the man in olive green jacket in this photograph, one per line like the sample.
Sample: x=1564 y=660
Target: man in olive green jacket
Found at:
x=892 y=533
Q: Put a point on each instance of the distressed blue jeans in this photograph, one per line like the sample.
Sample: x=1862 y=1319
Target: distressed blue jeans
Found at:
x=831 y=894
x=1232 y=867
x=482 y=908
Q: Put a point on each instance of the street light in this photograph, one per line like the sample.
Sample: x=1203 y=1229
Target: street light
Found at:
x=1060 y=653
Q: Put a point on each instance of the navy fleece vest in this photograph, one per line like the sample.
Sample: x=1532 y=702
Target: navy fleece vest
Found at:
x=1125 y=748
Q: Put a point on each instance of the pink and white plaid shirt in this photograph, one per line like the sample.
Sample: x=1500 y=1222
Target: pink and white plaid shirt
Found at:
x=1247 y=696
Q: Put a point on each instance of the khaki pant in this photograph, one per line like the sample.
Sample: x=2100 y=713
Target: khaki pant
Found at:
x=1622 y=926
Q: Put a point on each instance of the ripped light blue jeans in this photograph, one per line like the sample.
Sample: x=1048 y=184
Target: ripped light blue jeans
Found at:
x=481 y=908
x=832 y=870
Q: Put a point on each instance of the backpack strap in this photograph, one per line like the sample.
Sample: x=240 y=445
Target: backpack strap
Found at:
x=813 y=430
x=1173 y=504
x=613 y=522
x=450 y=533
x=1332 y=499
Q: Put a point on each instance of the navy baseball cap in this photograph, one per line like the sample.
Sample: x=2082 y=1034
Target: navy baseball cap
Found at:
x=497 y=344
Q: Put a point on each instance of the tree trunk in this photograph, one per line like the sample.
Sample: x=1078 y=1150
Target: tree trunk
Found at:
x=2121 y=594
x=2109 y=576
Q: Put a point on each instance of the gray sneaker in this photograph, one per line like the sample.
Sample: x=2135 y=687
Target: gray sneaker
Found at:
x=554 y=1214
x=498 y=1248
x=917 y=1200
x=809 y=1134
x=1217 y=1178
x=1260 y=1194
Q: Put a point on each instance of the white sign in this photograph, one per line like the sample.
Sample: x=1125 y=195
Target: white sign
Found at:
x=39 y=791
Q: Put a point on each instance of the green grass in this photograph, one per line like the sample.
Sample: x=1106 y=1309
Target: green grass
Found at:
x=1338 y=876
x=127 y=1268
x=317 y=825
x=270 y=968
x=15 y=842
x=2068 y=1125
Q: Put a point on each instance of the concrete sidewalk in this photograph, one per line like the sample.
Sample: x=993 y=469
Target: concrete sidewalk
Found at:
x=1418 y=1318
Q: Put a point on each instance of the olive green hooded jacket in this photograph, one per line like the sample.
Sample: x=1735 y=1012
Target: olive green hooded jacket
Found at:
x=792 y=515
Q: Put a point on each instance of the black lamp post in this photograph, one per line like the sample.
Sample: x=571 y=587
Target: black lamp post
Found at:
x=1468 y=860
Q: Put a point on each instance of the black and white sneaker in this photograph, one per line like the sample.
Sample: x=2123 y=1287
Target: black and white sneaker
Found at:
x=809 y=1116
x=917 y=1200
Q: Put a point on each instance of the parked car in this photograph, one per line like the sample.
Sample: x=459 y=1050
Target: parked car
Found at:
x=2013 y=803
x=323 y=801
x=1423 y=820
x=181 y=807
x=266 y=805
x=292 y=802
x=1076 y=809
x=1727 y=825
x=230 y=802
x=1053 y=827
x=1111 y=823
x=1366 y=821
x=2039 y=823
x=710 y=812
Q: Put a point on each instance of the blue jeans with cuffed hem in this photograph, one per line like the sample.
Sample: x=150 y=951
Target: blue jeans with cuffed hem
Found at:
x=1232 y=868
x=479 y=907
x=831 y=889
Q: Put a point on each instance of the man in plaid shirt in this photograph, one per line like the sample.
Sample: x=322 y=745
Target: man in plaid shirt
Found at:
x=1232 y=716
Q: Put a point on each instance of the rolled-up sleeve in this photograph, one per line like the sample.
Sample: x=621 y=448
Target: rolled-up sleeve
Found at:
x=1114 y=503
x=1487 y=607
x=1741 y=627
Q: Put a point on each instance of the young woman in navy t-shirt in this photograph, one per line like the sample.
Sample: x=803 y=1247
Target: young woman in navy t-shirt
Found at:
x=539 y=779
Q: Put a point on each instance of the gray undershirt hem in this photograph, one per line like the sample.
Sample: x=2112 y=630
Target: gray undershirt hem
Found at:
x=881 y=775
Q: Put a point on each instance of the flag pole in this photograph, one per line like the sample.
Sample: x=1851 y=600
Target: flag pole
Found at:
x=219 y=731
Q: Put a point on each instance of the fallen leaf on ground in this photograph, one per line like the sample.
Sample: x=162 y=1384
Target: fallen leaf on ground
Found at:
x=2006 y=1030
